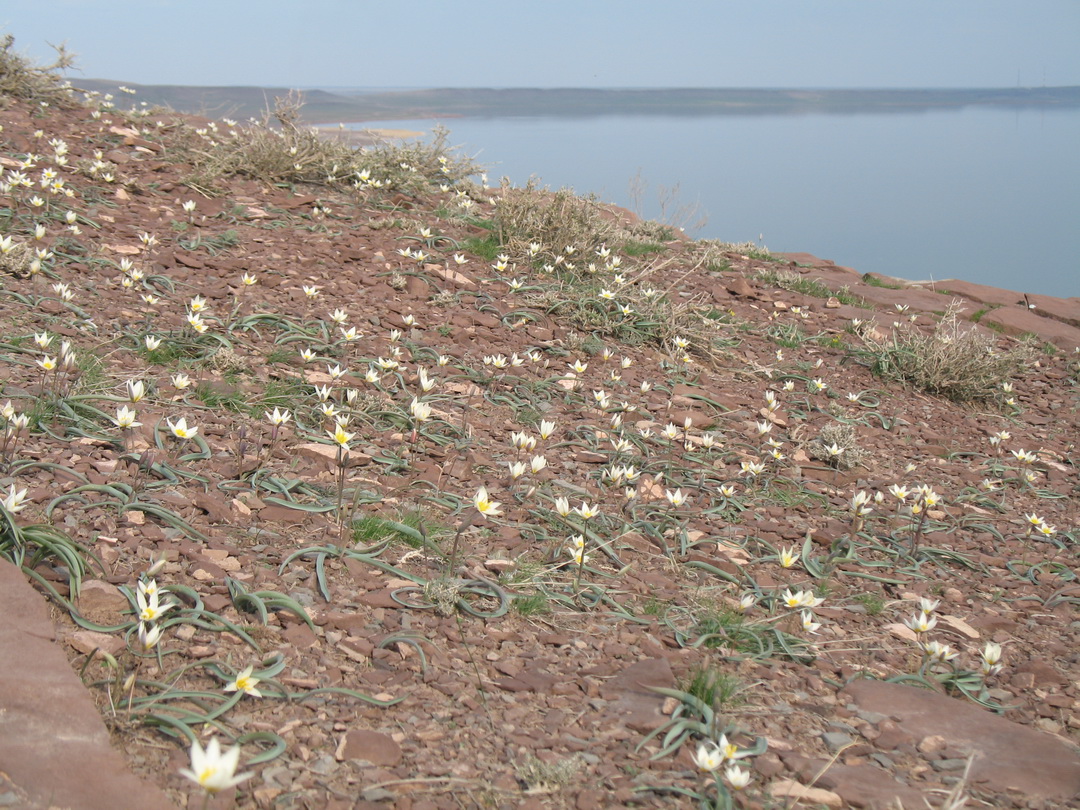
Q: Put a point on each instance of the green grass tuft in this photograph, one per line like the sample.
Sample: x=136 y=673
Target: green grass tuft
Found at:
x=643 y=248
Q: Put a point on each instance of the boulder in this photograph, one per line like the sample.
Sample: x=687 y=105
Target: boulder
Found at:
x=1007 y=756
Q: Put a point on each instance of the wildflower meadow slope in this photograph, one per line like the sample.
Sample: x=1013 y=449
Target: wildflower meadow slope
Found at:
x=367 y=483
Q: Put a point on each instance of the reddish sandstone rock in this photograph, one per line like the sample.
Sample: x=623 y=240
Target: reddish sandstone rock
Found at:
x=636 y=705
x=369 y=746
x=982 y=294
x=55 y=743
x=1021 y=320
x=1008 y=756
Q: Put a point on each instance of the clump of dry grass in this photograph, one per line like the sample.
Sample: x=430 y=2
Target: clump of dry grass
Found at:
x=548 y=776
x=16 y=258
x=527 y=215
x=750 y=249
x=650 y=230
x=657 y=315
x=570 y=234
x=841 y=436
x=21 y=79
x=957 y=363
x=281 y=149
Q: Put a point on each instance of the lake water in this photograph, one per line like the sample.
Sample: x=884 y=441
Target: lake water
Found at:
x=982 y=194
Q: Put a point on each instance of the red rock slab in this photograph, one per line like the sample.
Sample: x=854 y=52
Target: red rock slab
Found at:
x=369 y=746
x=1021 y=320
x=1066 y=310
x=867 y=786
x=831 y=275
x=982 y=293
x=54 y=748
x=635 y=705
x=846 y=313
x=917 y=298
x=1008 y=756
x=808 y=259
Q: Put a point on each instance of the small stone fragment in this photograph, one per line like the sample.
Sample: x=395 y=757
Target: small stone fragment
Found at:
x=370 y=746
x=807 y=796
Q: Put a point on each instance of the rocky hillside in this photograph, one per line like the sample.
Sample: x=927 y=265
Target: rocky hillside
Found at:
x=432 y=495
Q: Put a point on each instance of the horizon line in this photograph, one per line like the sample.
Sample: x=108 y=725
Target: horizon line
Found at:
x=329 y=87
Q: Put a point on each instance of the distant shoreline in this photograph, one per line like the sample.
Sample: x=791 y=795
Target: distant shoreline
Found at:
x=366 y=135
x=359 y=106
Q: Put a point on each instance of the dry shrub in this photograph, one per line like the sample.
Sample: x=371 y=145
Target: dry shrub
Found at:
x=19 y=78
x=281 y=149
x=557 y=219
x=675 y=214
x=958 y=363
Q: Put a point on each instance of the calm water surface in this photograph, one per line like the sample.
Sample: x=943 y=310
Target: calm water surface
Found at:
x=982 y=194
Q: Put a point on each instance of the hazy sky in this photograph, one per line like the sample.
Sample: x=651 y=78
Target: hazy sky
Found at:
x=560 y=43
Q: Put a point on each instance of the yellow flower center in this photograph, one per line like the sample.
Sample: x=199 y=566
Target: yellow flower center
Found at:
x=206 y=775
